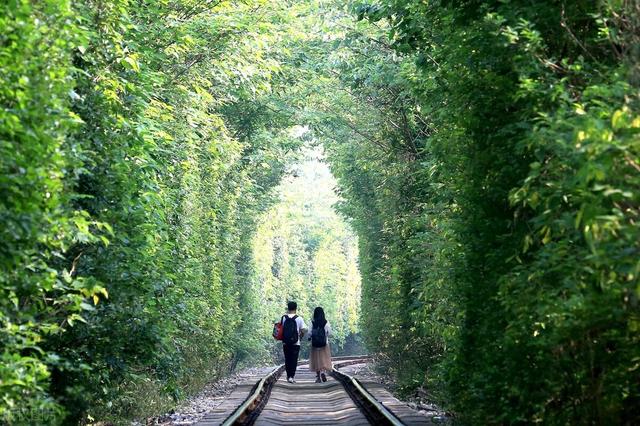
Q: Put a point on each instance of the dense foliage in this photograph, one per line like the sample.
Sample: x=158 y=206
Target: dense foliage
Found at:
x=487 y=156
x=135 y=160
x=493 y=181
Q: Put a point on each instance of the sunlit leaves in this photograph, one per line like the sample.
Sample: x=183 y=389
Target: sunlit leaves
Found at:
x=303 y=251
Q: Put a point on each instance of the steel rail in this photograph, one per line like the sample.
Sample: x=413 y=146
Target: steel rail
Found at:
x=375 y=411
x=241 y=414
x=349 y=360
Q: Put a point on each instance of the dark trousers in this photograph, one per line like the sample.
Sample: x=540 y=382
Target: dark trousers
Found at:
x=291 y=353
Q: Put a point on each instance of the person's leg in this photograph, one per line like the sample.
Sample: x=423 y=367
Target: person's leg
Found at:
x=326 y=362
x=288 y=360
x=295 y=349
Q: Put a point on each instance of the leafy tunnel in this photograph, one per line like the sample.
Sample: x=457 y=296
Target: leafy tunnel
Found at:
x=167 y=182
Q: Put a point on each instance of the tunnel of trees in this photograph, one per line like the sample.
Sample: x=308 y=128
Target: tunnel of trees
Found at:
x=163 y=166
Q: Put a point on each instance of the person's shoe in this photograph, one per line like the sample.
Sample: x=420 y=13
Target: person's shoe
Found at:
x=290 y=379
x=324 y=377
x=293 y=380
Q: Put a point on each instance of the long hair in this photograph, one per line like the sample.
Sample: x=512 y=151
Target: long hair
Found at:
x=318 y=317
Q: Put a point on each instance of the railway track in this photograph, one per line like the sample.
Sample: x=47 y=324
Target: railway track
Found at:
x=343 y=400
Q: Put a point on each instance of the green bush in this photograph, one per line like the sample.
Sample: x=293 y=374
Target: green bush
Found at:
x=498 y=217
x=132 y=174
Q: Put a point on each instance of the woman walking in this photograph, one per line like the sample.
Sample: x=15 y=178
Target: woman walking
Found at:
x=320 y=356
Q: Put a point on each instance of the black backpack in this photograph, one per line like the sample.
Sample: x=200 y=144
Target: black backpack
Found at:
x=318 y=337
x=290 y=333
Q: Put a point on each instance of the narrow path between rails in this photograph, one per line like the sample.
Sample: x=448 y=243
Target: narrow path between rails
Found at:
x=309 y=403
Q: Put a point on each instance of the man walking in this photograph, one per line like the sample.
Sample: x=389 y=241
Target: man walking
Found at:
x=293 y=329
